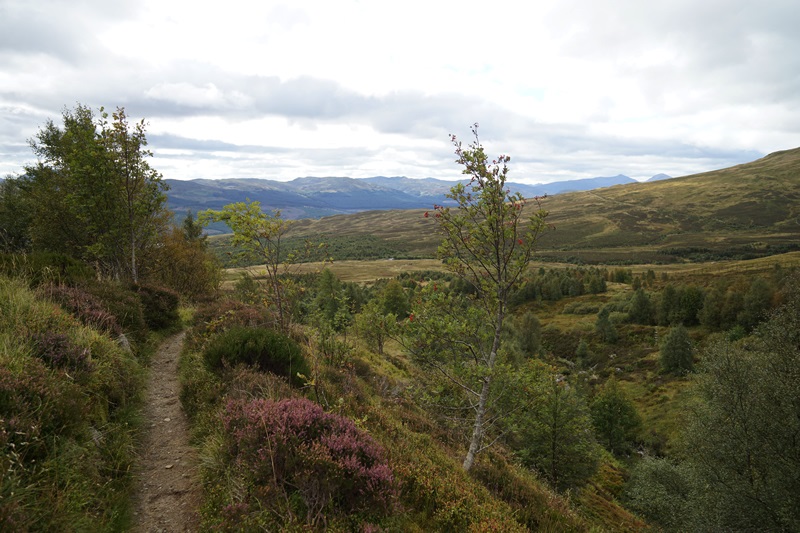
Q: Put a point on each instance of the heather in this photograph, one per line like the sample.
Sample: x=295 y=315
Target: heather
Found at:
x=319 y=460
x=68 y=395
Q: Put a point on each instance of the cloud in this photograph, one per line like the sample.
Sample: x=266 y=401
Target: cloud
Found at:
x=570 y=89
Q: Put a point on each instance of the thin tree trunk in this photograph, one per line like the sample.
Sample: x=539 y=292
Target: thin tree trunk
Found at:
x=477 y=429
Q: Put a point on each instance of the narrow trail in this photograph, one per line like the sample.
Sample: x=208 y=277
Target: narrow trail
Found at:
x=167 y=492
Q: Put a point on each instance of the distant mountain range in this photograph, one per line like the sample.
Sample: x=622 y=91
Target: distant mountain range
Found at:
x=315 y=197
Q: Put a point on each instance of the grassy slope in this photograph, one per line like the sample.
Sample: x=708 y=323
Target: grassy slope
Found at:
x=746 y=207
x=66 y=431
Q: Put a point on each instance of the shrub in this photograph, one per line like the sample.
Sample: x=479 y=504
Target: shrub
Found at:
x=319 y=460
x=58 y=351
x=160 y=306
x=84 y=306
x=581 y=308
x=36 y=406
x=126 y=307
x=263 y=348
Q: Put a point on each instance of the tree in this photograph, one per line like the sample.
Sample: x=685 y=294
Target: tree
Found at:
x=743 y=435
x=394 y=299
x=191 y=229
x=184 y=264
x=260 y=236
x=677 y=352
x=641 y=310
x=374 y=325
x=554 y=435
x=530 y=334
x=614 y=417
x=94 y=194
x=15 y=216
x=140 y=187
x=488 y=241
x=757 y=301
x=604 y=327
x=669 y=308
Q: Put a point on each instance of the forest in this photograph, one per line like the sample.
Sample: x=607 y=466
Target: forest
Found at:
x=497 y=384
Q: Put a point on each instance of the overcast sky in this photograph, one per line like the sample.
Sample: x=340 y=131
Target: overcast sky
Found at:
x=278 y=90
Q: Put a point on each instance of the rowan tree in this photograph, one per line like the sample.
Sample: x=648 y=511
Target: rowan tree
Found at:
x=260 y=237
x=488 y=241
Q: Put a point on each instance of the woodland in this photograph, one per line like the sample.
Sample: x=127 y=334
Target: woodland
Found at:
x=623 y=359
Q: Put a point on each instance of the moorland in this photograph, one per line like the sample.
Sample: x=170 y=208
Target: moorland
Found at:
x=642 y=374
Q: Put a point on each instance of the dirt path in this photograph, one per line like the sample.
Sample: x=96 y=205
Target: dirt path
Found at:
x=168 y=490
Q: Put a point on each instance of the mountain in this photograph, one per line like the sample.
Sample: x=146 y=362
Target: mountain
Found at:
x=315 y=197
x=745 y=211
x=587 y=184
x=659 y=177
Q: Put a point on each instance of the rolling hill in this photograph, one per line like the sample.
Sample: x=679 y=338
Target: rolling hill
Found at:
x=313 y=197
x=749 y=210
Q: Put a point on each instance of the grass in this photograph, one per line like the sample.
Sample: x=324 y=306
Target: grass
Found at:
x=67 y=434
x=745 y=211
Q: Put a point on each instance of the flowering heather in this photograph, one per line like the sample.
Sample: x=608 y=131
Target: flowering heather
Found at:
x=58 y=351
x=322 y=457
x=84 y=306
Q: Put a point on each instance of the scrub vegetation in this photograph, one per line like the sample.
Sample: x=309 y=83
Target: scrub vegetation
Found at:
x=626 y=361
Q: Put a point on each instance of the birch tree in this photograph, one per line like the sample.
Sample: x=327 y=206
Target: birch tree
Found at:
x=489 y=239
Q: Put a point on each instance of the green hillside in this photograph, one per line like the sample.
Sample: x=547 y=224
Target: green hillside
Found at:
x=745 y=211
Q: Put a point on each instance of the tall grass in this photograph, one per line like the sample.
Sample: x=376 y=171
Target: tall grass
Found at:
x=68 y=402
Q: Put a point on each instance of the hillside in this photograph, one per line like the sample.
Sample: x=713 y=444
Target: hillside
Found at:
x=749 y=210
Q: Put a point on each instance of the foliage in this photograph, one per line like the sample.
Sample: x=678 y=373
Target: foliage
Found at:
x=319 y=461
x=15 y=217
x=266 y=349
x=159 y=304
x=641 y=310
x=488 y=242
x=125 y=305
x=677 y=351
x=260 y=237
x=604 y=327
x=375 y=326
x=680 y=305
x=184 y=264
x=553 y=435
x=660 y=491
x=93 y=193
x=58 y=351
x=742 y=437
x=45 y=267
x=614 y=417
x=330 y=304
x=67 y=394
x=529 y=334
x=84 y=306
x=394 y=299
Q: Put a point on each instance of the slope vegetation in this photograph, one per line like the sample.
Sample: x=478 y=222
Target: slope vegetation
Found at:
x=741 y=212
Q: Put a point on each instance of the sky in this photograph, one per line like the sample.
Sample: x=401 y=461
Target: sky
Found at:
x=278 y=90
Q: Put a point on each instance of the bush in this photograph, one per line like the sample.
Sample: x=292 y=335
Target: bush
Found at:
x=320 y=462
x=126 y=307
x=263 y=348
x=84 y=306
x=67 y=399
x=58 y=351
x=160 y=306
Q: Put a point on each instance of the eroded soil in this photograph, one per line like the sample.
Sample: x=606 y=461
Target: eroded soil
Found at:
x=168 y=489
